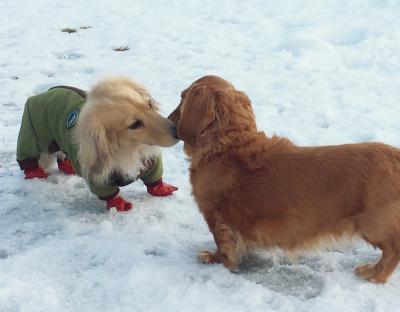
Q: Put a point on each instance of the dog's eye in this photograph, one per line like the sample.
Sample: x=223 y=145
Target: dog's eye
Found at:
x=136 y=125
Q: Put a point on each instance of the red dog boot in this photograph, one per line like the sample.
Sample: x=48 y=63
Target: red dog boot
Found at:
x=119 y=203
x=65 y=166
x=160 y=188
x=37 y=172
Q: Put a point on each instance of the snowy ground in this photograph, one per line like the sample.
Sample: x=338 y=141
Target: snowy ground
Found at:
x=323 y=72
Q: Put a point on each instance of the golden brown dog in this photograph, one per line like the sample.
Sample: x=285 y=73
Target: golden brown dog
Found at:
x=260 y=192
x=104 y=134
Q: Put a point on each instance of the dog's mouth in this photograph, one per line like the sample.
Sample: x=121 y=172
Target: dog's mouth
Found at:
x=174 y=132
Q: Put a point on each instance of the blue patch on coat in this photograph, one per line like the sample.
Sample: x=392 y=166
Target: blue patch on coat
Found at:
x=72 y=118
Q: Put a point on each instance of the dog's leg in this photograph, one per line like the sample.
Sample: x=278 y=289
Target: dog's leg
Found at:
x=380 y=272
x=46 y=160
x=381 y=228
x=229 y=248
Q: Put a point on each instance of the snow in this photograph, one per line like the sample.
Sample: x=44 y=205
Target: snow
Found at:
x=323 y=72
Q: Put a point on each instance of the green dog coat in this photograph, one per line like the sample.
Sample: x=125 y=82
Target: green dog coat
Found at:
x=47 y=126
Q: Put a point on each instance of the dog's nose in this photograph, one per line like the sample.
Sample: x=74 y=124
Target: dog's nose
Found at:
x=174 y=131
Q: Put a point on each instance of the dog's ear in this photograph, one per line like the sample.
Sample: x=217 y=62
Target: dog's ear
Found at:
x=94 y=146
x=198 y=113
x=176 y=114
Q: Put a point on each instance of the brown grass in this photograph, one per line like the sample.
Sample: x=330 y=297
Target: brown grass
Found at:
x=121 y=48
x=69 y=30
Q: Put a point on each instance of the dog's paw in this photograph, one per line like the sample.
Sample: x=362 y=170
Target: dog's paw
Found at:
x=364 y=271
x=207 y=257
x=368 y=272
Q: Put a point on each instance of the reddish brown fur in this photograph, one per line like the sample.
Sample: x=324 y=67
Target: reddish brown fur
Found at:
x=260 y=192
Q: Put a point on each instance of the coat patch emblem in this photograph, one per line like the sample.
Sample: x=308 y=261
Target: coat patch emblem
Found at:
x=72 y=118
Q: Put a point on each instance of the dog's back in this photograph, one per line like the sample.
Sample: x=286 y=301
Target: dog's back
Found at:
x=256 y=191
x=49 y=112
x=46 y=125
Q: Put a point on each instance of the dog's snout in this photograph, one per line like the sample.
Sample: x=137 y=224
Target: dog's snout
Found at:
x=174 y=131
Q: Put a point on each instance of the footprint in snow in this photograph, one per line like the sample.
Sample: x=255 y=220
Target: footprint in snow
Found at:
x=289 y=279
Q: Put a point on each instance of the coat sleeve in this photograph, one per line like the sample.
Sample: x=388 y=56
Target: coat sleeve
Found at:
x=103 y=191
x=28 y=146
x=154 y=173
